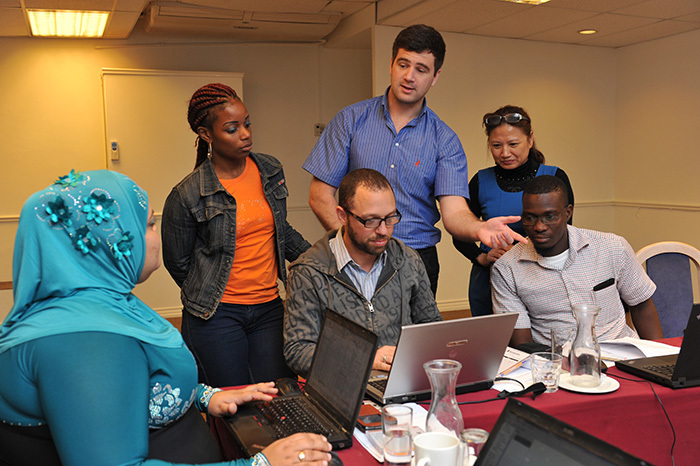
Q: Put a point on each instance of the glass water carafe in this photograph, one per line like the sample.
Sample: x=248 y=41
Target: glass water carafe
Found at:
x=444 y=414
x=585 y=351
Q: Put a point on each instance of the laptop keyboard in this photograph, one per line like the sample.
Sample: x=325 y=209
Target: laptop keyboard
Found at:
x=379 y=384
x=288 y=416
x=663 y=369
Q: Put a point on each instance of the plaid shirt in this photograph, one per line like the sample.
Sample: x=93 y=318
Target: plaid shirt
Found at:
x=543 y=296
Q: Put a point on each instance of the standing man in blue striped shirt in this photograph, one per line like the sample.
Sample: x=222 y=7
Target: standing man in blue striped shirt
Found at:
x=399 y=136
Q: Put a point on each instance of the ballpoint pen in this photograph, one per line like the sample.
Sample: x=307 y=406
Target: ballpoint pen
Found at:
x=512 y=368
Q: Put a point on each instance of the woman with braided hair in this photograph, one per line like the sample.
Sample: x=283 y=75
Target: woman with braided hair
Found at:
x=225 y=241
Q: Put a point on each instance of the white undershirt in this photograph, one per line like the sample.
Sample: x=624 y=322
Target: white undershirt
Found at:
x=558 y=261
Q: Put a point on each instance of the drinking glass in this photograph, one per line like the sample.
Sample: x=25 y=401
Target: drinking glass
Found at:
x=473 y=440
x=546 y=368
x=397 y=421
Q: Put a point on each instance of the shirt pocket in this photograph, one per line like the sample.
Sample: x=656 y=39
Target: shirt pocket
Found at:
x=280 y=191
x=212 y=227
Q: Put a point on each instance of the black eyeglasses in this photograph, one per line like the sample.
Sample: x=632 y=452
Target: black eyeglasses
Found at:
x=548 y=219
x=372 y=223
x=494 y=120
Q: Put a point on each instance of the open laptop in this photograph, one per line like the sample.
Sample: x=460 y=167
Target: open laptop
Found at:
x=525 y=435
x=332 y=395
x=676 y=370
x=478 y=343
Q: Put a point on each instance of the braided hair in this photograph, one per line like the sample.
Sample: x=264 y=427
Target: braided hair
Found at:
x=201 y=112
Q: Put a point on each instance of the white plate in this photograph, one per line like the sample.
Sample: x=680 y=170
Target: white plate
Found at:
x=607 y=384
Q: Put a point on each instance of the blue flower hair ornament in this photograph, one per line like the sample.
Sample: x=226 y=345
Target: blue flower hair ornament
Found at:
x=123 y=246
x=83 y=240
x=98 y=208
x=70 y=180
x=58 y=212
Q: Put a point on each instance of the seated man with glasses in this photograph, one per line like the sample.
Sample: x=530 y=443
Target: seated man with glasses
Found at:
x=359 y=271
x=563 y=265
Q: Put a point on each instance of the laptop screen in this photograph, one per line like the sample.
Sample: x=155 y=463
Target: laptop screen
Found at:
x=524 y=435
x=341 y=365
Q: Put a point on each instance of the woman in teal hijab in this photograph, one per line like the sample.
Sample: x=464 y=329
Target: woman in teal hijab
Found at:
x=90 y=373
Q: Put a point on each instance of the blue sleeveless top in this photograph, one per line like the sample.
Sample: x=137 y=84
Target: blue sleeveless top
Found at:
x=496 y=203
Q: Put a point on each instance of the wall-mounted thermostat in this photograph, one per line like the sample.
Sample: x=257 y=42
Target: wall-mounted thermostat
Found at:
x=114 y=150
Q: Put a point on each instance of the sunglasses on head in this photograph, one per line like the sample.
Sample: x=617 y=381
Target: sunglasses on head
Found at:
x=494 y=120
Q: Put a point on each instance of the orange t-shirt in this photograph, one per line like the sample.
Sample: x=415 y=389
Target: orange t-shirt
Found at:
x=253 y=278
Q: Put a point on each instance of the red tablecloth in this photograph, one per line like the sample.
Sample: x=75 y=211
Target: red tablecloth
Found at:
x=630 y=418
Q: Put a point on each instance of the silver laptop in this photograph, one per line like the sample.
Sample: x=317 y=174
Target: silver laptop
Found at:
x=477 y=342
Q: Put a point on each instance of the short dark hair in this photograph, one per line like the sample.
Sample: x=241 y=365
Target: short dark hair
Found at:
x=420 y=38
x=546 y=184
x=370 y=179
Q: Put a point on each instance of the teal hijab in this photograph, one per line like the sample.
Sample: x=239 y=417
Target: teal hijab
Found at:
x=79 y=251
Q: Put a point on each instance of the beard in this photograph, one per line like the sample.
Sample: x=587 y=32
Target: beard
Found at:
x=366 y=246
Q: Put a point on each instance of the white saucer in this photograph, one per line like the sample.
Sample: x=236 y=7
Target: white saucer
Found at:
x=607 y=384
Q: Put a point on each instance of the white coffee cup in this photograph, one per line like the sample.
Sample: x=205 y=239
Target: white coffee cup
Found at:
x=437 y=449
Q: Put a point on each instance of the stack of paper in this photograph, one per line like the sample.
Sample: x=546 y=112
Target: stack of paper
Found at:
x=515 y=365
x=632 y=348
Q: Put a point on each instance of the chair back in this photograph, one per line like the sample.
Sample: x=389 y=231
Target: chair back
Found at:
x=668 y=264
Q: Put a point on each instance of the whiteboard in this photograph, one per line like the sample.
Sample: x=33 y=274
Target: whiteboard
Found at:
x=145 y=113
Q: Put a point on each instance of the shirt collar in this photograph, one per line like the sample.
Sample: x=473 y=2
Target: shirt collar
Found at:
x=341 y=253
x=577 y=241
x=385 y=105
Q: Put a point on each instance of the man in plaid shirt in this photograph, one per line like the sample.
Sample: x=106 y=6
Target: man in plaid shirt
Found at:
x=563 y=265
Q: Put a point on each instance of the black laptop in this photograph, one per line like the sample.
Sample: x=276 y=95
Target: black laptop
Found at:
x=675 y=370
x=332 y=396
x=525 y=435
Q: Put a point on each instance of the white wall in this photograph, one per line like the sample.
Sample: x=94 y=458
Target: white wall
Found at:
x=657 y=153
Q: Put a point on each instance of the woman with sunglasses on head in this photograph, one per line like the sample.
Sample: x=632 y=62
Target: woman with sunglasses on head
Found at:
x=498 y=191
x=225 y=242
x=90 y=375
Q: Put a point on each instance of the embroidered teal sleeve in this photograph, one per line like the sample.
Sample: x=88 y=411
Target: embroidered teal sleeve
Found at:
x=204 y=394
x=260 y=460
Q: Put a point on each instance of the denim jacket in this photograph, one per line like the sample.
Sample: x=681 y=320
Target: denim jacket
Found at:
x=199 y=232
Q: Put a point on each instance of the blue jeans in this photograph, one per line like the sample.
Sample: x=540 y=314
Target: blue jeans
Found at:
x=240 y=344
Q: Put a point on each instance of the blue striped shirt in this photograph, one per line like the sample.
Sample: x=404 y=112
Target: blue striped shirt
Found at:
x=423 y=161
x=365 y=282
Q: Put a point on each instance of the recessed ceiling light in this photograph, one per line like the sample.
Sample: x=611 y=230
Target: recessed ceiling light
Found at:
x=67 y=23
x=528 y=2
x=587 y=32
